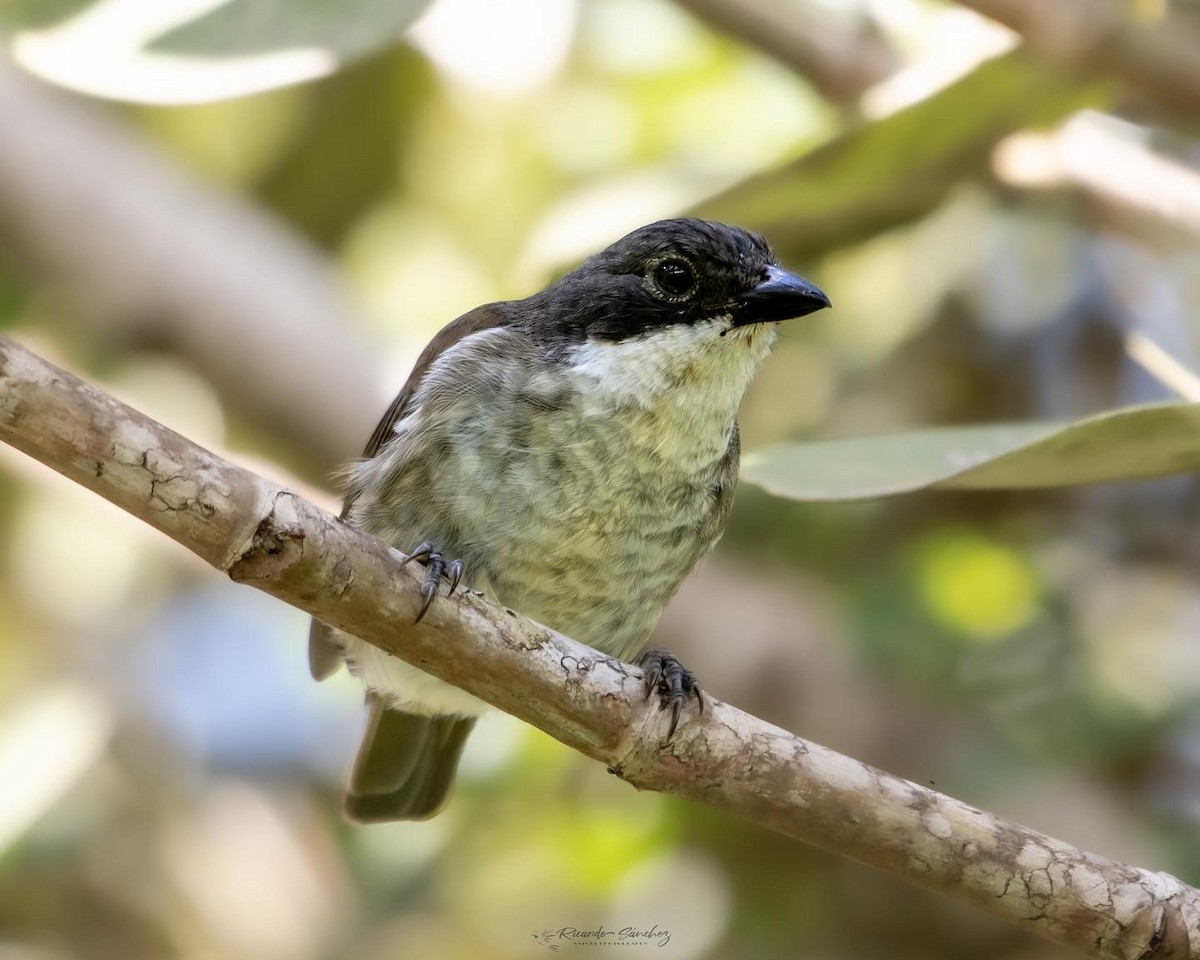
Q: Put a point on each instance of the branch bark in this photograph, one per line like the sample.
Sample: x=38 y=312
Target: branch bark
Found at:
x=271 y=539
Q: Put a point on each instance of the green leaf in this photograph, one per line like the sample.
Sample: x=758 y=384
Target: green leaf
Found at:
x=153 y=51
x=1133 y=443
x=894 y=170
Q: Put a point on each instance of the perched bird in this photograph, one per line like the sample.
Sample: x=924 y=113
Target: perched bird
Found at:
x=572 y=454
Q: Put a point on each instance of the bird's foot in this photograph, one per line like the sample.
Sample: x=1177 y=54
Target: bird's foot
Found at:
x=672 y=681
x=436 y=567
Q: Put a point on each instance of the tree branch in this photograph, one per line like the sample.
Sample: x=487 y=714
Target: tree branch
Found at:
x=1159 y=60
x=841 y=65
x=270 y=538
x=1125 y=181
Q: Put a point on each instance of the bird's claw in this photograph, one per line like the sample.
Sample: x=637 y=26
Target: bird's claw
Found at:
x=436 y=566
x=454 y=572
x=673 y=682
x=422 y=553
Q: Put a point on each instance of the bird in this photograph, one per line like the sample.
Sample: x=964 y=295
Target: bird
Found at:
x=573 y=454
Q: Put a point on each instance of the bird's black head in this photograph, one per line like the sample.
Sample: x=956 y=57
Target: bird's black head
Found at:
x=674 y=272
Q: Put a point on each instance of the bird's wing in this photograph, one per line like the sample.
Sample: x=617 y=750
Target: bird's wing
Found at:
x=481 y=318
x=324 y=652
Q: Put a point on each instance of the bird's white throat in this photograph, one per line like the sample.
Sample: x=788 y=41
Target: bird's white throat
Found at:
x=704 y=364
x=681 y=385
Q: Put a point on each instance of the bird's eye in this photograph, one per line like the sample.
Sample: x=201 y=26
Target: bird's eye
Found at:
x=674 y=278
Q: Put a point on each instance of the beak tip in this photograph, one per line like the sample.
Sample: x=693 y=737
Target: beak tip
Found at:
x=782 y=296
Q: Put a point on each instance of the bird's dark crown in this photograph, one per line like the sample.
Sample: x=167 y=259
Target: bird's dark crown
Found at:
x=666 y=273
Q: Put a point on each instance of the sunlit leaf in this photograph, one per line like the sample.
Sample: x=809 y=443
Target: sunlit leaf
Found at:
x=1129 y=444
x=191 y=51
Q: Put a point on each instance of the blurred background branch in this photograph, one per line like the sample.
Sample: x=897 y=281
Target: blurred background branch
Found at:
x=142 y=251
x=1155 y=54
x=1126 y=183
x=841 y=63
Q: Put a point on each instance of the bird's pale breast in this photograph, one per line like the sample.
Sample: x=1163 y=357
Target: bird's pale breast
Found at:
x=581 y=500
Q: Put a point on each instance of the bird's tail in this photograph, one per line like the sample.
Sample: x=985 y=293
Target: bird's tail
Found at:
x=406 y=764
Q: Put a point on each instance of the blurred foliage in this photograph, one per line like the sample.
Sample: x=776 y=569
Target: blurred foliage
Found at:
x=150 y=52
x=901 y=166
x=170 y=774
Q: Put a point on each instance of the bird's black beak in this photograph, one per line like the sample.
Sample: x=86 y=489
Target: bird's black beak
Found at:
x=780 y=296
